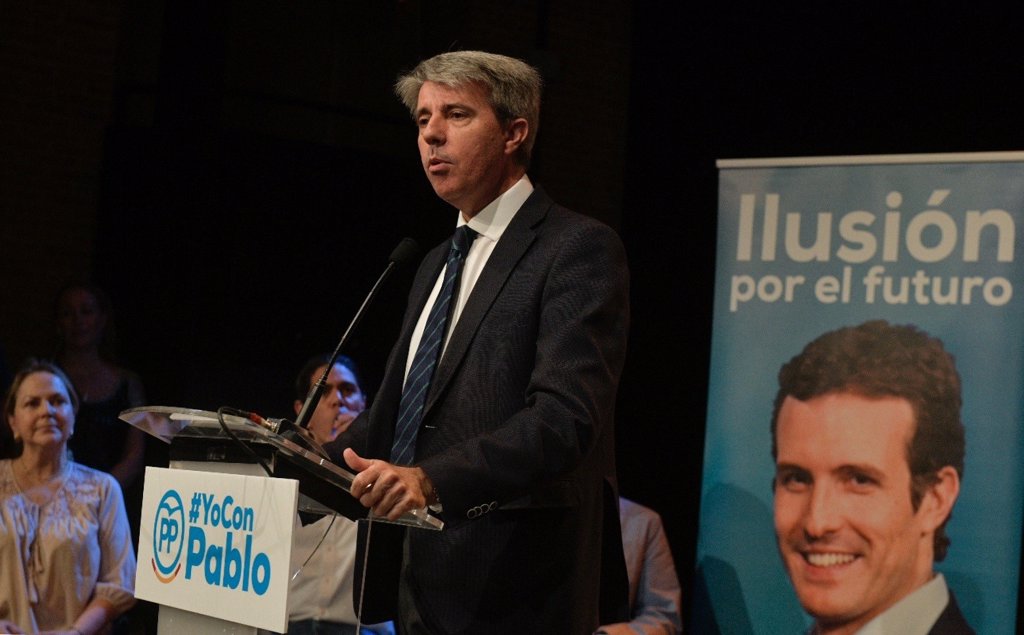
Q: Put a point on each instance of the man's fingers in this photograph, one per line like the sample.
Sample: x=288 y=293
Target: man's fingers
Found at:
x=355 y=461
x=388 y=491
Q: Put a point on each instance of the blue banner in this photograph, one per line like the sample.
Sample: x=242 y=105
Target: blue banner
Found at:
x=808 y=246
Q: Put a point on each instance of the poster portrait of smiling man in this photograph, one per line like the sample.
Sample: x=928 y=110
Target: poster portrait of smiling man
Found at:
x=873 y=486
x=869 y=452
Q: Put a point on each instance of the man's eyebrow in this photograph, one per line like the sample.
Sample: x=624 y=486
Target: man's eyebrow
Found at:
x=846 y=468
x=446 y=107
x=789 y=467
x=862 y=468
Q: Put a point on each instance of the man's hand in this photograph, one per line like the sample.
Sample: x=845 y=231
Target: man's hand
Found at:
x=388 y=490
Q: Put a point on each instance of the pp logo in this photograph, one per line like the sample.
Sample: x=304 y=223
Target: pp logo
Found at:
x=168 y=536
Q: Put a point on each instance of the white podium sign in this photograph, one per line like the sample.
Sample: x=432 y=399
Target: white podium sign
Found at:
x=217 y=545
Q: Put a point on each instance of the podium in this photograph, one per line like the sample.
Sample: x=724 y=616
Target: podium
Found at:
x=179 y=558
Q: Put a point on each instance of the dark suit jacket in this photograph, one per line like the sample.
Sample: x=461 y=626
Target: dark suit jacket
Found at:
x=951 y=621
x=518 y=436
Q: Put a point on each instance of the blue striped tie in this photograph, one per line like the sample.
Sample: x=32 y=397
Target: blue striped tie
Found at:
x=417 y=383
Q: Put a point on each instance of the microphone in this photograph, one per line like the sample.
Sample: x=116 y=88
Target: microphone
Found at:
x=275 y=425
x=404 y=252
x=281 y=427
x=286 y=429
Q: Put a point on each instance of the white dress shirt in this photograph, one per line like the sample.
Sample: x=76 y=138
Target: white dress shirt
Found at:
x=913 y=615
x=490 y=224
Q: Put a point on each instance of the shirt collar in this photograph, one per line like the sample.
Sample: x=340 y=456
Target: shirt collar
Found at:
x=492 y=220
x=915 y=614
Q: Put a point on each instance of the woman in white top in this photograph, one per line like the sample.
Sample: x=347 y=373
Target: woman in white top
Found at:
x=66 y=559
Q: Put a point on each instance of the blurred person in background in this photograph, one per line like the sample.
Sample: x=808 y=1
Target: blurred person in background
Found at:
x=655 y=596
x=320 y=597
x=85 y=352
x=66 y=559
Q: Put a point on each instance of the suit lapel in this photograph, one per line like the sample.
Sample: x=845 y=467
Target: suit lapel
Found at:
x=514 y=242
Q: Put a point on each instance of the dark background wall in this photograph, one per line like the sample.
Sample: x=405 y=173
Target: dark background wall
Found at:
x=236 y=173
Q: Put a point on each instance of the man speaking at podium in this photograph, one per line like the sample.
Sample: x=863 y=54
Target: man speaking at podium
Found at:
x=498 y=399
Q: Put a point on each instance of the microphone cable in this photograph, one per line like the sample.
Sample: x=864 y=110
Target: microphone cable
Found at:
x=225 y=410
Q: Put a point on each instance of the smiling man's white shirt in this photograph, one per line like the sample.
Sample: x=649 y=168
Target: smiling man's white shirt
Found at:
x=915 y=614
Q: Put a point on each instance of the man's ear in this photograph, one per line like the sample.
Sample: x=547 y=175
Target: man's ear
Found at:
x=515 y=134
x=298 y=406
x=939 y=498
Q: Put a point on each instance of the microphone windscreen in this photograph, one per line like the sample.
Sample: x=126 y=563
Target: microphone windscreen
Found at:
x=405 y=252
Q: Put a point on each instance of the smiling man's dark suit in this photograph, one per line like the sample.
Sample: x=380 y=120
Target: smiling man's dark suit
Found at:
x=951 y=621
x=517 y=435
